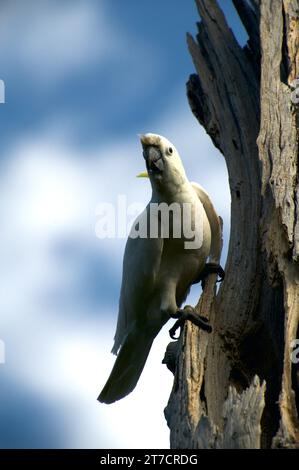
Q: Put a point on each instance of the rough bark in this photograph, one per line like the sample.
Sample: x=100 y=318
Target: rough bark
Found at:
x=238 y=387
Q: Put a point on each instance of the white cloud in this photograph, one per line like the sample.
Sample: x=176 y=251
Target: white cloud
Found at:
x=48 y=38
x=48 y=41
x=72 y=366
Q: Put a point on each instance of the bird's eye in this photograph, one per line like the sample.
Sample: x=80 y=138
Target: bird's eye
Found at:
x=170 y=150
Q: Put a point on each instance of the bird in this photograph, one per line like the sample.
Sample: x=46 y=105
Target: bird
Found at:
x=158 y=271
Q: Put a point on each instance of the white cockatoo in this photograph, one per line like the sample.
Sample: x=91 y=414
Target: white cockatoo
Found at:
x=159 y=268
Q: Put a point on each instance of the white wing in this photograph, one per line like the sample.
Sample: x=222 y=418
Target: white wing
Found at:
x=214 y=221
x=141 y=265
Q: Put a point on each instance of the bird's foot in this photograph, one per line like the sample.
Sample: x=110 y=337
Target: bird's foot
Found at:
x=188 y=313
x=211 y=268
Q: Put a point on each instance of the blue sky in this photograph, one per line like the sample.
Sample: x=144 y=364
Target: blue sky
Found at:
x=83 y=78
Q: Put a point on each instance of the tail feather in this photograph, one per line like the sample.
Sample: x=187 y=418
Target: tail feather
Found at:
x=127 y=367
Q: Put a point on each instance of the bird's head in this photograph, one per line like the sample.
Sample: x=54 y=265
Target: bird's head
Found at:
x=163 y=163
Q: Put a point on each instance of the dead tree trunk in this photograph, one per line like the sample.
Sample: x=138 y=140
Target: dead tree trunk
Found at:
x=238 y=388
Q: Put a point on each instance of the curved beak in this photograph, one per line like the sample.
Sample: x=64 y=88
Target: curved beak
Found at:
x=143 y=139
x=152 y=154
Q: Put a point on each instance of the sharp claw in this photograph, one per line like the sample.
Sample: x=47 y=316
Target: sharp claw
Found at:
x=188 y=314
x=172 y=334
x=211 y=268
x=179 y=323
x=221 y=273
x=204 y=319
